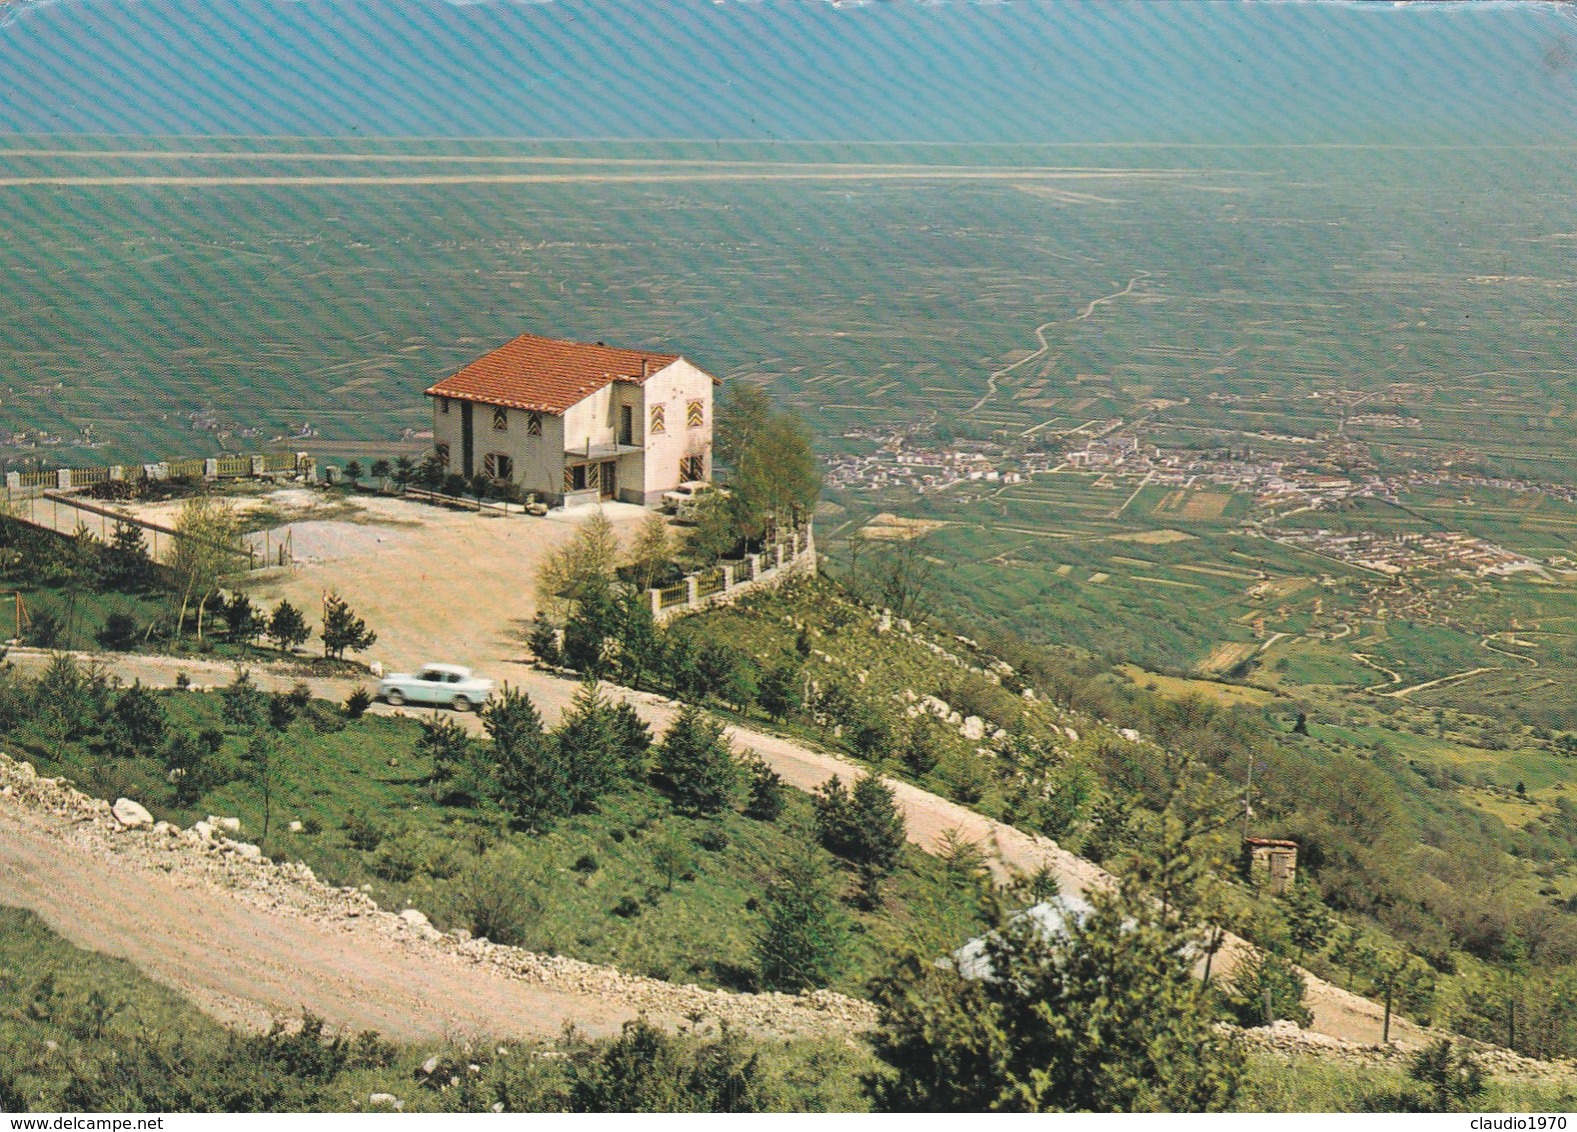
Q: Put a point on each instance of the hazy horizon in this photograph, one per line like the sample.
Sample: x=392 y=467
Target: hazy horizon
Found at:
x=1229 y=72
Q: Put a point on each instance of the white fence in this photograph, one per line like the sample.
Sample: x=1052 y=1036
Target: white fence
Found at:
x=792 y=555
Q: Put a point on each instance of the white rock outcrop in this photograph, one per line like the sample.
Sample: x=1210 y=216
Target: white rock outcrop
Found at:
x=131 y=814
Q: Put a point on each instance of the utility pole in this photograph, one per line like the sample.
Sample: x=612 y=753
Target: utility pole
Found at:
x=1248 y=794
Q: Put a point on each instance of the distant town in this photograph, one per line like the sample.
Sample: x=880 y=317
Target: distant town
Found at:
x=913 y=458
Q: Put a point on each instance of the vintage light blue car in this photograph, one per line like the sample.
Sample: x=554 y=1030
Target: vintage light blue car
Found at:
x=449 y=684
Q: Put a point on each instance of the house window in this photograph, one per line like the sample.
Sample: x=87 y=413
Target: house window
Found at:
x=692 y=468
x=580 y=477
x=534 y=424
x=497 y=466
x=626 y=425
x=441 y=451
x=658 y=422
x=694 y=414
x=443 y=405
x=500 y=420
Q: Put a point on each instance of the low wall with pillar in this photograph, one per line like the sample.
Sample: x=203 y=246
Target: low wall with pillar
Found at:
x=792 y=556
x=33 y=484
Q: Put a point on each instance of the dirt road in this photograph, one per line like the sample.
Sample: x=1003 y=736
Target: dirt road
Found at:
x=247 y=965
x=1337 y=1013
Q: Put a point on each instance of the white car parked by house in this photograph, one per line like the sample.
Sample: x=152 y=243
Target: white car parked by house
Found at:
x=686 y=500
x=449 y=684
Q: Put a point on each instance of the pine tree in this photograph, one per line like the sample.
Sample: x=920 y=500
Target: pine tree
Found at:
x=533 y=780
x=649 y=557
x=1105 y=1016
x=803 y=933
x=129 y=566
x=1309 y=922
x=634 y=740
x=681 y=669
x=241 y=618
x=343 y=630
x=864 y=826
x=1266 y=988
x=779 y=694
x=717 y=664
x=287 y=628
x=882 y=832
x=590 y=627
x=765 y=785
x=591 y=742
x=1452 y=1074
x=545 y=641
x=137 y=723
x=456 y=774
x=245 y=706
x=921 y=749
x=835 y=818
x=696 y=764
x=640 y=644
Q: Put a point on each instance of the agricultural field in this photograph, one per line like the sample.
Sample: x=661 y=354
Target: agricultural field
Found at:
x=1188 y=582
x=173 y=296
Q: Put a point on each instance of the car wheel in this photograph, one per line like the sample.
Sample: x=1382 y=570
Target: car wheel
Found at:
x=394 y=698
x=462 y=704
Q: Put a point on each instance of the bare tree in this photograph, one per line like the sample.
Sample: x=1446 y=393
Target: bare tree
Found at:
x=207 y=543
x=592 y=553
x=652 y=551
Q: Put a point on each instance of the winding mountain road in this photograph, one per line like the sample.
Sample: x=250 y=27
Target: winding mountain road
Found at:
x=111 y=912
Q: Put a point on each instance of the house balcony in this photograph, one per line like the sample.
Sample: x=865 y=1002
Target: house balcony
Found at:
x=589 y=451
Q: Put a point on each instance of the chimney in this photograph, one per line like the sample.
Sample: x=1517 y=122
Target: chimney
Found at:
x=645 y=362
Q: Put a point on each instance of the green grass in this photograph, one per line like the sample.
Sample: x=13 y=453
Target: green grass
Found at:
x=1315 y=1084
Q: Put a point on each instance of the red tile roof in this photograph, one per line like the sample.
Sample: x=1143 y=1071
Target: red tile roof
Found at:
x=547 y=375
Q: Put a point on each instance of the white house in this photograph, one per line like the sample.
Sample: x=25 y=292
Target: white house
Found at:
x=576 y=422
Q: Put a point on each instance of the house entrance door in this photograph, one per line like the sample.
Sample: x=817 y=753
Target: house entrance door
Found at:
x=609 y=480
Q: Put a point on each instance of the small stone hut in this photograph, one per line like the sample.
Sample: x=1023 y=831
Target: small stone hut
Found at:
x=1270 y=863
